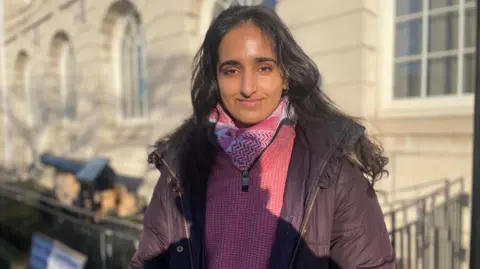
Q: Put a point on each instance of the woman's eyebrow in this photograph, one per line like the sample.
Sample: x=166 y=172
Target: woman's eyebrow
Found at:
x=228 y=62
x=265 y=59
x=257 y=60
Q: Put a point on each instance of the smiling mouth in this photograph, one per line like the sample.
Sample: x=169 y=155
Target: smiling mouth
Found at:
x=249 y=102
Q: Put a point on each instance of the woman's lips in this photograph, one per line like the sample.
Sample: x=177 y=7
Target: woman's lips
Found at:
x=250 y=103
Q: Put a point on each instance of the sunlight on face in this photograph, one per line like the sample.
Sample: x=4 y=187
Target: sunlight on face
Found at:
x=249 y=78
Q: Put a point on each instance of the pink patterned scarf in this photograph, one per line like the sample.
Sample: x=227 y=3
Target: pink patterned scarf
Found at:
x=244 y=145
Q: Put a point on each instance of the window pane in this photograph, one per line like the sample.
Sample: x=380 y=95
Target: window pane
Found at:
x=470 y=27
x=69 y=84
x=443 y=32
x=469 y=73
x=71 y=105
x=408 y=6
x=140 y=93
x=442 y=76
x=126 y=74
x=407 y=79
x=134 y=79
x=408 y=38
x=133 y=103
x=38 y=101
x=27 y=82
x=442 y=3
x=130 y=94
x=32 y=95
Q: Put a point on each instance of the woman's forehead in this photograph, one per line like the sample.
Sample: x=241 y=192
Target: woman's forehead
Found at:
x=245 y=41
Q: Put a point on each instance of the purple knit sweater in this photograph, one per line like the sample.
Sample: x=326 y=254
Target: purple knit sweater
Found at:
x=241 y=226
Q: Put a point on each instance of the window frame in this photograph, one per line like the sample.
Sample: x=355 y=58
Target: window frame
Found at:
x=28 y=92
x=67 y=50
x=117 y=53
x=207 y=13
x=459 y=104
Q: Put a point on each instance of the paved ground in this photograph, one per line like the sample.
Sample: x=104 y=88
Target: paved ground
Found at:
x=11 y=257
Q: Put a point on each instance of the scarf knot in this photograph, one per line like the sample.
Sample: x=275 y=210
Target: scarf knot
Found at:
x=245 y=145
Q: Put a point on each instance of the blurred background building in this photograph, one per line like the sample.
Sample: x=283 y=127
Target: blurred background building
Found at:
x=108 y=78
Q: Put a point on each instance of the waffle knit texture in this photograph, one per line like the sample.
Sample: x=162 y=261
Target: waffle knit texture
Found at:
x=241 y=226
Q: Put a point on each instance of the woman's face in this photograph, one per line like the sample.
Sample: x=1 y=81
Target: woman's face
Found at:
x=249 y=78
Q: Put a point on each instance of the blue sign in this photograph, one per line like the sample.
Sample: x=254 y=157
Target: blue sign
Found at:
x=40 y=251
x=46 y=253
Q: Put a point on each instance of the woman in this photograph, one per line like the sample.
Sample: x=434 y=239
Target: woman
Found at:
x=267 y=173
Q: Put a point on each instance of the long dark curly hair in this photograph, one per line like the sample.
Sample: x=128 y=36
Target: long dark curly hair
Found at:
x=191 y=141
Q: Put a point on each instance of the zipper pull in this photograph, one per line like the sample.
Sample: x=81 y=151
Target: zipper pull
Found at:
x=245 y=181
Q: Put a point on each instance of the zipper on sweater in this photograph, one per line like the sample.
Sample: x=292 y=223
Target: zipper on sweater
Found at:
x=245 y=173
x=185 y=224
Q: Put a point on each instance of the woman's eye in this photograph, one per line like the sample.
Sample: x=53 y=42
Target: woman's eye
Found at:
x=229 y=72
x=265 y=69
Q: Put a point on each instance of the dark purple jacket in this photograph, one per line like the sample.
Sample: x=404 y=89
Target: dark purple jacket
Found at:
x=331 y=217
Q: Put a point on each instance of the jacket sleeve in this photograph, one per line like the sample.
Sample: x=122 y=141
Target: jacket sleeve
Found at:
x=153 y=245
x=359 y=234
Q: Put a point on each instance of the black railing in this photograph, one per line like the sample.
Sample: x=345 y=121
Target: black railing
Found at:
x=426 y=232
x=108 y=242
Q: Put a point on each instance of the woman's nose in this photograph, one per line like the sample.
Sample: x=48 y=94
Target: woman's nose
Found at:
x=248 y=84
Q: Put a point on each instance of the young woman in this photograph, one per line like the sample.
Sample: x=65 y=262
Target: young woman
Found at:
x=266 y=173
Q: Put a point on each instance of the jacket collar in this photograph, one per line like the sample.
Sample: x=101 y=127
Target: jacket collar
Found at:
x=330 y=138
x=322 y=141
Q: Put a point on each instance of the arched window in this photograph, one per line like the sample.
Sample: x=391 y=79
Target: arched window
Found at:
x=35 y=95
x=220 y=5
x=22 y=85
x=67 y=71
x=26 y=82
x=28 y=76
x=22 y=109
x=134 y=93
x=212 y=8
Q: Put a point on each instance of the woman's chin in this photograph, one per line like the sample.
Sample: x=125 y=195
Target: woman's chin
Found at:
x=248 y=122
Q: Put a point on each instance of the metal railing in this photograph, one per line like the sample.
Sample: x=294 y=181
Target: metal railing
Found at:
x=107 y=242
x=426 y=232
x=400 y=195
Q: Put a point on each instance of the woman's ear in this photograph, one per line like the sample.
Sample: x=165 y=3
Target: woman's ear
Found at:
x=285 y=83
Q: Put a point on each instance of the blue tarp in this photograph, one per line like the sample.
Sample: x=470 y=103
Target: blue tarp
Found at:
x=92 y=170
x=61 y=163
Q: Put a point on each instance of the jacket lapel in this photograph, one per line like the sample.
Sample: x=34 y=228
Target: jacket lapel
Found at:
x=310 y=156
x=194 y=214
x=197 y=213
x=293 y=207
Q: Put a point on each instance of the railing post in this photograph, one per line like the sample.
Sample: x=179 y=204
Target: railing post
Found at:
x=448 y=244
x=403 y=232
x=103 y=249
x=475 y=219
x=436 y=248
x=418 y=233
x=393 y=228
x=425 y=242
